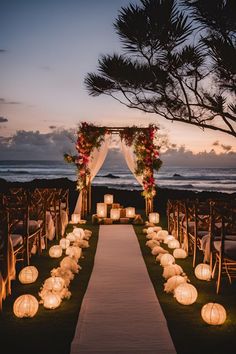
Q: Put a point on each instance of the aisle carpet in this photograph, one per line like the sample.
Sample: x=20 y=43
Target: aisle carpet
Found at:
x=120 y=312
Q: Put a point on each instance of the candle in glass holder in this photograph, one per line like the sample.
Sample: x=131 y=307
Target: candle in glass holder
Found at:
x=115 y=214
x=108 y=198
x=101 y=210
x=75 y=218
x=130 y=212
x=154 y=218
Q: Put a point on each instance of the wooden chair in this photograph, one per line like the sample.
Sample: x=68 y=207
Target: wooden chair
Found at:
x=223 y=246
x=173 y=217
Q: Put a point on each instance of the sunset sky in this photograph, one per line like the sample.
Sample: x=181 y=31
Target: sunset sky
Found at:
x=46 y=49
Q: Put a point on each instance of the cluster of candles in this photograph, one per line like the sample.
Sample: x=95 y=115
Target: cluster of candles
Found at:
x=114 y=212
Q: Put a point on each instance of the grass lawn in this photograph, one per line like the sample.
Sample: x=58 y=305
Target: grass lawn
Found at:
x=51 y=331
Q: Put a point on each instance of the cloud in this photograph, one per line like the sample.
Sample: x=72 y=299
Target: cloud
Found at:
x=3 y=120
x=3 y=50
x=52 y=127
x=226 y=147
x=33 y=145
x=4 y=101
x=216 y=143
x=46 y=68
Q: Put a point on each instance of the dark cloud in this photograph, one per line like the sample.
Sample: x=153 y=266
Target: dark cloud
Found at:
x=3 y=50
x=3 y=120
x=4 y=101
x=216 y=143
x=226 y=147
x=52 y=127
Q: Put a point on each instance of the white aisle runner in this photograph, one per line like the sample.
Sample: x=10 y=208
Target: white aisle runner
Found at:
x=120 y=312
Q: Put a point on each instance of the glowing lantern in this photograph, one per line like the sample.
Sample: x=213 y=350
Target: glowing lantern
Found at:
x=159 y=257
x=185 y=294
x=25 y=306
x=170 y=270
x=152 y=243
x=150 y=230
x=179 y=253
x=173 y=244
x=213 y=313
x=108 y=198
x=101 y=210
x=167 y=259
x=158 y=249
x=157 y=228
x=203 y=271
x=51 y=301
x=69 y=263
x=115 y=214
x=28 y=275
x=74 y=252
x=54 y=283
x=162 y=234
x=79 y=233
x=71 y=237
x=153 y=218
x=151 y=235
x=55 y=251
x=173 y=282
x=64 y=243
x=75 y=218
x=168 y=238
x=130 y=212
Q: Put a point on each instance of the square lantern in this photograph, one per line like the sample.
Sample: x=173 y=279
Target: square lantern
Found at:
x=108 y=198
x=130 y=212
x=75 y=218
x=101 y=210
x=154 y=218
x=115 y=214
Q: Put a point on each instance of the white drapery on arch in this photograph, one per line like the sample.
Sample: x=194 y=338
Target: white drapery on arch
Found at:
x=130 y=159
x=96 y=161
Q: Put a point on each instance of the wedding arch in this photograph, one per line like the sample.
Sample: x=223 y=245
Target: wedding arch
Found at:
x=141 y=154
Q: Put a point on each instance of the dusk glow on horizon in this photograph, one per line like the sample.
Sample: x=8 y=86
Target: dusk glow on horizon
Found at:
x=46 y=49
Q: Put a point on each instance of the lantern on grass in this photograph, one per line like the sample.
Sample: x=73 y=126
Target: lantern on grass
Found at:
x=69 y=263
x=28 y=275
x=75 y=218
x=162 y=234
x=170 y=270
x=108 y=198
x=173 y=282
x=74 y=252
x=213 y=313
x=55 y=251
x=180 y=253
x=203 y=271
x=64 y=243
x=25 y=306
x=71 y=237
x=79 y=233
x=54 y=283
x=115 y=214
x=130 y=212
x=101 y=210
x=167 y=259
x=185 y=294
x=173 y=244
x=51 y=301
x=168 y=238
x=154 y=218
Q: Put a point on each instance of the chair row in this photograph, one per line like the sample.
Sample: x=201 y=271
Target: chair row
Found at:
x=208 y=226
x=28 y=219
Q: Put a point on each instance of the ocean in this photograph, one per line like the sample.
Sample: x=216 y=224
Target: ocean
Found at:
x=196 y=179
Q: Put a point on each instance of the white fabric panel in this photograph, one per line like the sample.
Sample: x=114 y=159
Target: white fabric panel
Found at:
x=130 y=160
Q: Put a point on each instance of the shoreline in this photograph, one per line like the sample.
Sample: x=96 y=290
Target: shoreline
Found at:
x=124 y=197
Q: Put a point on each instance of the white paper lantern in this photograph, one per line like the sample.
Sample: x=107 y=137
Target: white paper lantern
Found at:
x=173 y=244
x=64 y=243
x=170 y=270
x=157 y=228
x=168 y=238
x=150 y=230
x=154 y=218
x=54 y=284
x=108 y=198
x=151 y=235
x=173 y=282
x=159 y=257
x=185 y=294
x=203 y=271
x=74 y=252
x=167 y=259
x=71 y=237
x=101 y=210
x=28 y=275
x=51 y=301
x=179 y=253
x=79 y=233
x=75 y=218
x=158 y=249
x=152 y=243
x=162 y=234
x=69 y=263
x=55 y=251
x=25 y=306
x=213 y=313
x=115 y=214
x=130 y=212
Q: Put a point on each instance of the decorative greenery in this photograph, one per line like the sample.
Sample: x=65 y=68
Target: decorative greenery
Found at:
x=147 y=155
x=89 y=137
